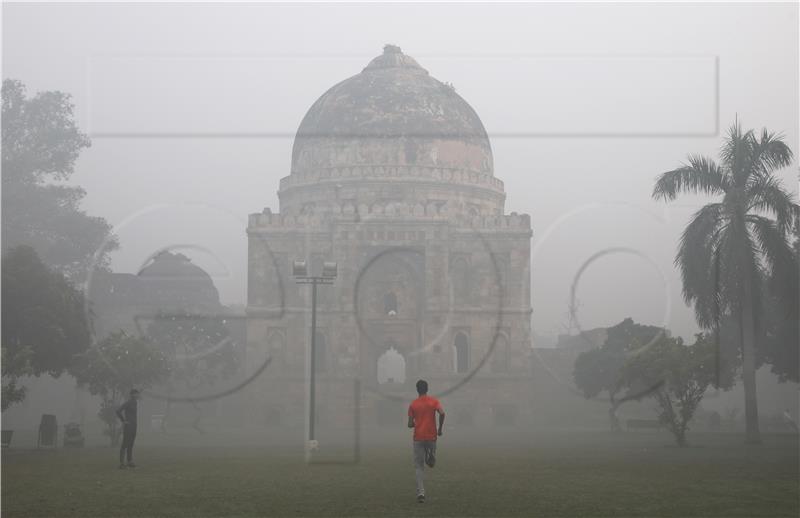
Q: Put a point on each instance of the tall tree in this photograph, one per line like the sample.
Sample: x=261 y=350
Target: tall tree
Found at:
x=43 y=321
x=200 y=349
x=41 y=143
x=44 y=317
x=601 y=369
x=682 y=374
x=781 y=346
x=115 y=365
x=729 y=245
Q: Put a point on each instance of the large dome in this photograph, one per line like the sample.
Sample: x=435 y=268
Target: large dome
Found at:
x=392 y=114
x=391 y=139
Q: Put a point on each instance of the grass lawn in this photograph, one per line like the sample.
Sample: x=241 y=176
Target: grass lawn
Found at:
x=559 y=475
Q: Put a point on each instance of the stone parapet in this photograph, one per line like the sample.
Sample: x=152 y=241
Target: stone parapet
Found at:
x=404 y=172
x=377 y=213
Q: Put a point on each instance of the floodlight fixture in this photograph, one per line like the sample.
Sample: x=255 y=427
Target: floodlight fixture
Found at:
x=299 y=269
x=330 y=270
x=329 y=273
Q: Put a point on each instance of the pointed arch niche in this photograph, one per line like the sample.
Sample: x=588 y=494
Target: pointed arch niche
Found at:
x=461 y=352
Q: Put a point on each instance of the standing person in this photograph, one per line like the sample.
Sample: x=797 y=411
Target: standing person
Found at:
x=422 y=418
x=127 y=414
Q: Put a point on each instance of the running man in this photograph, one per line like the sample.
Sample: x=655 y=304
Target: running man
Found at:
x=422 y=418
x=127 y=414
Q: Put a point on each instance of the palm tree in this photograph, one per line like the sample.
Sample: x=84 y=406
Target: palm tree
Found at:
x=730 y=246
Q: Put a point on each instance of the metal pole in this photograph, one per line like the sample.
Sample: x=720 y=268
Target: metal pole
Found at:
x=357 y=420
x=312 y=399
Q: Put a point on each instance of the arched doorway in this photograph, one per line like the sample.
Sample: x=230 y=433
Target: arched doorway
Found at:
x=390 y=304
x=276 y=346
x=391 y=367
x=461 y=353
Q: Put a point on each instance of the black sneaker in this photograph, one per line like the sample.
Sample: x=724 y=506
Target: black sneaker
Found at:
x=430 y=458
x=421 y=499
x=131 y=465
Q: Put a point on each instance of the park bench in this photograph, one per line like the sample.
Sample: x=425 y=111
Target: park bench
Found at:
x=644 y=424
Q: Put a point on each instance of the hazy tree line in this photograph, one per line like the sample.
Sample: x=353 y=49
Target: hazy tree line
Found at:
x=738 y=259
x=49 y=246
x=48 y=242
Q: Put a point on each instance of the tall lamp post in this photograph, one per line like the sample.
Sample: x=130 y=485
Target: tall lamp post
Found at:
x=300 y=273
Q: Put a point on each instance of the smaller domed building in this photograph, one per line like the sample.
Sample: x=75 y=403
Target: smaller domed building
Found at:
x=169 y=282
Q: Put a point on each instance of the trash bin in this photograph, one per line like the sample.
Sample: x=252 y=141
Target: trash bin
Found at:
x=48 y=431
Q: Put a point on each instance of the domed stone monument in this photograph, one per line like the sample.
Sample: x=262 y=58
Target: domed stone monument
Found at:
x=392 y=177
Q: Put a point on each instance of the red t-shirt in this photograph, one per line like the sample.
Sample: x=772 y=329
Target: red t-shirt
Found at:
x=423 y=410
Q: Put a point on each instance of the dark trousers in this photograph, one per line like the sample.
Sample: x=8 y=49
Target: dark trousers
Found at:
x=126 y=449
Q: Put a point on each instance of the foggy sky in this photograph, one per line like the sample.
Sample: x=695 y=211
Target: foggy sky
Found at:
x=192 y=110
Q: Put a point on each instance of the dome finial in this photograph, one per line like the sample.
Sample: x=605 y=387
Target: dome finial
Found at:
x=393 y=57
x=391 y=49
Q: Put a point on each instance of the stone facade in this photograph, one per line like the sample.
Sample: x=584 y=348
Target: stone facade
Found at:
x=392 y=178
